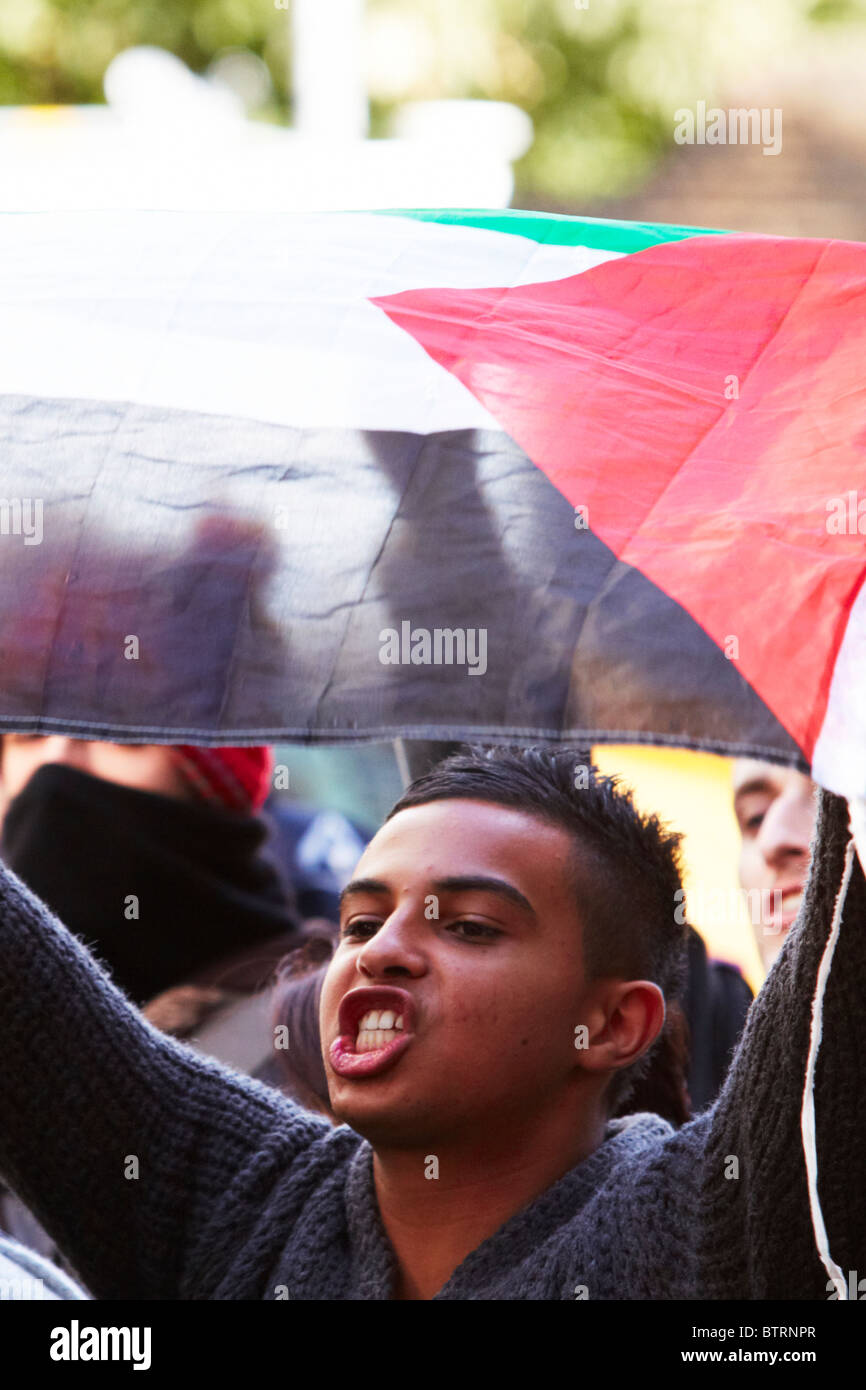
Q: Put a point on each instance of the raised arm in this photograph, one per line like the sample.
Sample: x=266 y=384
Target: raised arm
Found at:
x=122 y=1141
x=757 y=1239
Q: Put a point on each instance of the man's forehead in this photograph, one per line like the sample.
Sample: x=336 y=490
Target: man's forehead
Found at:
x=462 y=846
x=468 y=831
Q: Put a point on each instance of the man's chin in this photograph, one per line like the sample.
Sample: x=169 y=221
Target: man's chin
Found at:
x=385 y=1122
x=772 y=946
x=387 y=1131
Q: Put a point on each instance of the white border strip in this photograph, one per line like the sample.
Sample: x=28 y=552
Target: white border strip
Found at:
x=807 y=1116
x=839 y=757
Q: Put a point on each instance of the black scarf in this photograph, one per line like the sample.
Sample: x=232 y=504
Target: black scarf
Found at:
x=205 y=890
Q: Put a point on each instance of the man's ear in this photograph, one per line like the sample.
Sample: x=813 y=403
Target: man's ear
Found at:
x=625 y=1019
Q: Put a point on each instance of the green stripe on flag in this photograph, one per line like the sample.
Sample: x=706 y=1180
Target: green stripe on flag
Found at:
x=557 y=230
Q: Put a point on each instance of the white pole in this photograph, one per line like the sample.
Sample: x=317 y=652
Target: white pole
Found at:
x=329 y=95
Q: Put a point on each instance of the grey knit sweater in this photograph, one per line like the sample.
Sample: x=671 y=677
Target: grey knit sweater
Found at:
x=241 y=1195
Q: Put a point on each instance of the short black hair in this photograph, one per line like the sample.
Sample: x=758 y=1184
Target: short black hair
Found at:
x=626 y=863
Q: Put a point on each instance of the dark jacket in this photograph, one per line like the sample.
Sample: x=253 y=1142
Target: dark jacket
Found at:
x=716 y=1002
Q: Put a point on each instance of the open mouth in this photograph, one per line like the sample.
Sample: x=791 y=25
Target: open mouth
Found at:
x=791 y=903
x=783 y=918
x=376 y=1027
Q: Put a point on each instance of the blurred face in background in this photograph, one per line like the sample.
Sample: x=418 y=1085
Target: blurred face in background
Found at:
x=149 y=767
x=775 y=809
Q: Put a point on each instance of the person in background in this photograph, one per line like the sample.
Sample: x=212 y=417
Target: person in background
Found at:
x=716 y=1001
x=156 y=857
x=295 y=1007
x=775 y=809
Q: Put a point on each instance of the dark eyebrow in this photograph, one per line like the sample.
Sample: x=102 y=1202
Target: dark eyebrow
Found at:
x=482 y=883
x=363 y=885
x=461 y=883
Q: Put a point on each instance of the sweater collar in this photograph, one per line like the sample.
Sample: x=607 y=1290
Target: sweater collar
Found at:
x=374 y=1264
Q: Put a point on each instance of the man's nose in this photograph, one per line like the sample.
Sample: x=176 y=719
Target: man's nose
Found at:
x=786 y=831
x=396 y=948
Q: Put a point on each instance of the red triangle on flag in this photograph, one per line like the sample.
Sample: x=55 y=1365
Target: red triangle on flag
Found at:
x=705 y=401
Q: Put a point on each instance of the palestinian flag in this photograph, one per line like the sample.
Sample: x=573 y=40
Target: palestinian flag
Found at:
x=437 y=475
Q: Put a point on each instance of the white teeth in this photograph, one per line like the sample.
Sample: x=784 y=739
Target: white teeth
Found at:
x=371 y=1038
x=378 y=1027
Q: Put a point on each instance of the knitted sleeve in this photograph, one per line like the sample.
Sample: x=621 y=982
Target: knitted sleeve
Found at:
x=121 y=1141
x=755 y=1227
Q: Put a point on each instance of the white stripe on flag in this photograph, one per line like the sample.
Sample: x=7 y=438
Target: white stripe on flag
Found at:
x=839 y=759
x=264 y=317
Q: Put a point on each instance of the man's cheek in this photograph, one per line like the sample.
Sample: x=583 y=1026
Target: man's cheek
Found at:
x=750 y=867
x=337 y=982
x=495 y=1035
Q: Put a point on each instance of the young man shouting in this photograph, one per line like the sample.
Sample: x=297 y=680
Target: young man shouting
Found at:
x=507 y=944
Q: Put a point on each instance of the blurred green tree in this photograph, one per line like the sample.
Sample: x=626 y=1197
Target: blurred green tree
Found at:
x=601 y=79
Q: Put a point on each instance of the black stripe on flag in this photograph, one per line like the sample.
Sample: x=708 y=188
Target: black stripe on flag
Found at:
x=258 y=567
